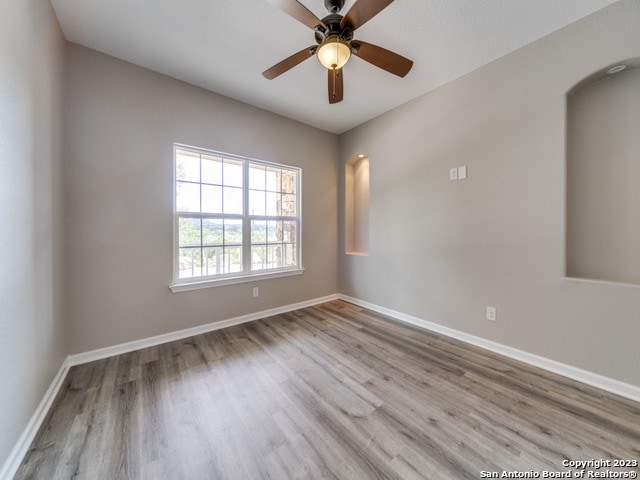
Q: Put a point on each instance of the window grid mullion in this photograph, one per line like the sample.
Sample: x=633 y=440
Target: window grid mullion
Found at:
x=246 y=220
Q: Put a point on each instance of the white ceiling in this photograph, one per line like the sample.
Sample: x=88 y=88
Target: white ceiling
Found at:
x=225 y=45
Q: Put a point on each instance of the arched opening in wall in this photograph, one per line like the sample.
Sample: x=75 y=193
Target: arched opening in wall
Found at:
x=357 y=206
x=603 y=176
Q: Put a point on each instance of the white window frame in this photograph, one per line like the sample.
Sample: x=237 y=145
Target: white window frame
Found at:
x=247 y=275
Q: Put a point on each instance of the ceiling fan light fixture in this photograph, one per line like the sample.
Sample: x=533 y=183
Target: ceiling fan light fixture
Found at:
x=334 y=52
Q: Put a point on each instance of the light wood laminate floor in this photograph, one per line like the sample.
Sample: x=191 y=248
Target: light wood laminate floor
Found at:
x=332 y=391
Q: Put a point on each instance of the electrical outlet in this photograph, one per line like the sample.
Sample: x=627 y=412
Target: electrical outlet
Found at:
x=453 y=173
x=491 y=313
x=256 y=292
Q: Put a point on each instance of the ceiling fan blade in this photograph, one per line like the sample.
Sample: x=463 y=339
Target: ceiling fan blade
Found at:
x=362 y=11
x=335 y=85
x=289 y=62
x=298 y=11
x=383 y=58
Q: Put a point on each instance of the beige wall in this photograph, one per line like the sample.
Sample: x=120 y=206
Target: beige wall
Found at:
x=32 y=343
x=121 y=122
x=444 y=250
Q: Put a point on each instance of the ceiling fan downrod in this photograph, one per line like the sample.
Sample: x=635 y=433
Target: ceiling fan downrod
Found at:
x=334 y=6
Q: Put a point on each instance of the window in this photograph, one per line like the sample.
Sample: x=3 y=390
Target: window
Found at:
x=234 y=218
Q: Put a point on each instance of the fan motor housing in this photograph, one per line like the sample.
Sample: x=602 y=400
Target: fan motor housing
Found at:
x=332 y=22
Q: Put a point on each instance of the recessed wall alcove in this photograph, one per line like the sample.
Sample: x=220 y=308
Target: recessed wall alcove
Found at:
x=357 y=206
x=603 y=175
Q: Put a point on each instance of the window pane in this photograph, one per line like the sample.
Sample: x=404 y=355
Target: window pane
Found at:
x=232 y=173
x=273 y=203
x=212 y=265
x=211 y=170
x=273 y=229
x=256 y=177
x=275 y=256
x=187 y=197
x=189 y=232
x=187 y=166
x=258 y=257
x=189 y=263
x=208 y=263
x=290 y=258
x=233 y=200
x=288 y=180
x=233 y=259
x=273 y=179
x=289 y=207
x=212 y=231
x=258 y=231
x=256 y=202
x=289 y=232
x=233 y=232
x=211 y=199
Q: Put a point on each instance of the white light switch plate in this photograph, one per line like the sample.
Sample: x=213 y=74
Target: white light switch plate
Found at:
x=462 y=172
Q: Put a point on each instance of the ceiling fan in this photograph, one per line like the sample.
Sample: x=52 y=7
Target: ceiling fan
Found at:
x=335 y=43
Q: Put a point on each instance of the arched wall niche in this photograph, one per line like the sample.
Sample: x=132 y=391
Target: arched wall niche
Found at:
x=603 y=175
x=357 y=205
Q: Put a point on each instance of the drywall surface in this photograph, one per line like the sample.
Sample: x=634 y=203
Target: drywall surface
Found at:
x=32 y=343
x=120 y=125
x=603 y=179
x=444 y=250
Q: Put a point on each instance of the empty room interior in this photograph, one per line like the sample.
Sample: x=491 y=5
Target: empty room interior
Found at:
x=407 y=251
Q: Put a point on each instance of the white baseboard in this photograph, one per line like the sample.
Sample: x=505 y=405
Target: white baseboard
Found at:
x=599 y=381
x=10 y=466
x=101 y=353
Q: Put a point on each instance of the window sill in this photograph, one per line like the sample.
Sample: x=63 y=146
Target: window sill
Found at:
x=197 y=285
